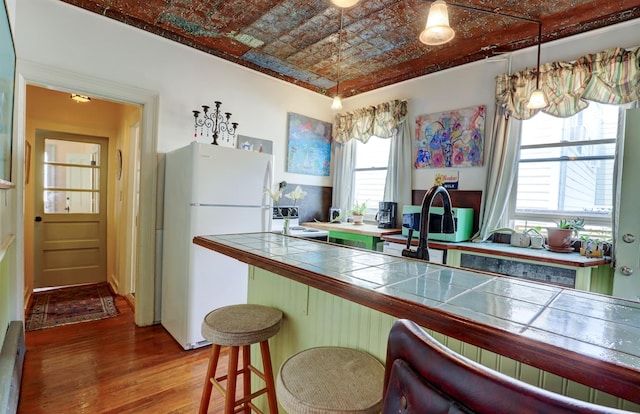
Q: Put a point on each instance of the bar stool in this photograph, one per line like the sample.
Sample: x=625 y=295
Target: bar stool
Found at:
x=331 y=380
x=239 y=326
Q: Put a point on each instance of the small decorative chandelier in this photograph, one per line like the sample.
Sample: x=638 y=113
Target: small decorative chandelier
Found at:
x=216 y=124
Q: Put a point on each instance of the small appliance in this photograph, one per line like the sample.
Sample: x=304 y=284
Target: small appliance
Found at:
x=387 y=213
x=334 y=215
x=463 y=218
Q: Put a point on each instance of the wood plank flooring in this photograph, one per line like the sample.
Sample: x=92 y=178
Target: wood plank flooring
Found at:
x=111 y=366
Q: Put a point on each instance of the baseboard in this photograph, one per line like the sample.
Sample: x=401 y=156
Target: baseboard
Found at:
x=11 y=362
x=131 y=301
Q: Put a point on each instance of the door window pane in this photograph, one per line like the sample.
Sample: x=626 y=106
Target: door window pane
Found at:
x=71 y=202
x=71 y=152
x=71 y=177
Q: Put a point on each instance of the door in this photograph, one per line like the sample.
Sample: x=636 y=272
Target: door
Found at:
x=70 y=208
x=626 y=282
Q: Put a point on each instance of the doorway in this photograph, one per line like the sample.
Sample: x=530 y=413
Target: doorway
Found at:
x=78 y=198
x=70 y=201
x=147 y=309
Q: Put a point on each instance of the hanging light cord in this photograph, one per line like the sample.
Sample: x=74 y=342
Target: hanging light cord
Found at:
x=339 y=51
x=539 y=44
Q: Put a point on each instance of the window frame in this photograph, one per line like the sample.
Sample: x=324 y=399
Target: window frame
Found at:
x=592 y=220
x=371 y=212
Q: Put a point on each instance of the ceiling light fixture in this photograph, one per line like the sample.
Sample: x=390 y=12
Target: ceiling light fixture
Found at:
x=80 y=98
x=538 y=100
x=336 y=105
x=438 y=32
x=344 y=3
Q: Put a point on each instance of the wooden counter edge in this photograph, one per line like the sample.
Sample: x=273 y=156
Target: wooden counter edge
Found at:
x=480 y=249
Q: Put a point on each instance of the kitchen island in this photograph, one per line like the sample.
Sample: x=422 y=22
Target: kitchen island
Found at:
x=572 y=342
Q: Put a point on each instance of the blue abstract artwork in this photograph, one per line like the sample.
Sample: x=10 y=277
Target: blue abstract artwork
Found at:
x=309 y=148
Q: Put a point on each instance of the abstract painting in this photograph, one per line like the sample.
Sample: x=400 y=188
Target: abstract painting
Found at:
x=309 y=150
x=7 y=79
x=450 y=139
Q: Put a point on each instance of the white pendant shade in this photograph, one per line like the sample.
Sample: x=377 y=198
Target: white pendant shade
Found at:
x=437 y=30
x=336 y=105
x=344 y=3
x=537 y=100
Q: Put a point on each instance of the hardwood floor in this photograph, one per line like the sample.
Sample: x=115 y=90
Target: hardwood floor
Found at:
x=111 y=366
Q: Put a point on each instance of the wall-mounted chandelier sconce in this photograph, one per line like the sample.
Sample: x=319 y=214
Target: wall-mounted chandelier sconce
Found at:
x=437 y=32
x=216 y=124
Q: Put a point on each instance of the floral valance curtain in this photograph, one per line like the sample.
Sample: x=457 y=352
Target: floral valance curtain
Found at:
x=381 y=120
x=611 y=77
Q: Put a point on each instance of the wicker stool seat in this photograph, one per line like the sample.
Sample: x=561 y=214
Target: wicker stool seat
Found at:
x=239 y=326
x=330 y=380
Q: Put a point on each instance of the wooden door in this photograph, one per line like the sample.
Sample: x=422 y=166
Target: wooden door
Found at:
x=70 y=209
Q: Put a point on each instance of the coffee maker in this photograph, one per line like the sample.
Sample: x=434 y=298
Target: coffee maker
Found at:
x=387 y=213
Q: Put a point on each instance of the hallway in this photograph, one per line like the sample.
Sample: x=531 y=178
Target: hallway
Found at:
x=110 y=366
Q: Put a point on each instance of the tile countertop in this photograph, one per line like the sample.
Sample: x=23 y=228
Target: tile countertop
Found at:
x=507 y=250
x=589 y=338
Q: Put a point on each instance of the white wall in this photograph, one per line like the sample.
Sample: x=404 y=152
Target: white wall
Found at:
x=185 y=79
x=64 y=36
x=474 y=84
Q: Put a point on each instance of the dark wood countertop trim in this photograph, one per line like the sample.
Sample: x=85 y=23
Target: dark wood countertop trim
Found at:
x=567 y=261
x=617 y=380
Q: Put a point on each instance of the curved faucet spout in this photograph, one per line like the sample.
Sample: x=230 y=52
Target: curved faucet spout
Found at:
x=448 y=224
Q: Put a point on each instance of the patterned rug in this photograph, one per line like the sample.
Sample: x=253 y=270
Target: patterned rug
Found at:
x=70 y=305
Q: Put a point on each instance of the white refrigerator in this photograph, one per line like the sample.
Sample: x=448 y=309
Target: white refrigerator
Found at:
x=208 y=190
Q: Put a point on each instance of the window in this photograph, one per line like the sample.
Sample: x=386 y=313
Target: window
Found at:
x=566 y=169
x=370 y=172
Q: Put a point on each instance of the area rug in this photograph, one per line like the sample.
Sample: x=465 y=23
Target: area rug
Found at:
x=70 y=305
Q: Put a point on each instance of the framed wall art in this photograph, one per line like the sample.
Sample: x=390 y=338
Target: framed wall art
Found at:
x=309 y=146
x=450 y=139
x=7 y=76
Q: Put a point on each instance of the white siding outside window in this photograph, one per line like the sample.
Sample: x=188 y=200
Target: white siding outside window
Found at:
x=370 y=172
x=566 y=169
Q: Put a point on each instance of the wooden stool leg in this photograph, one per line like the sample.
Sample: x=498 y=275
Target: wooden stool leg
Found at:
x=211 y=373
x=232 y=376
x=268 y=377
x=246 y=377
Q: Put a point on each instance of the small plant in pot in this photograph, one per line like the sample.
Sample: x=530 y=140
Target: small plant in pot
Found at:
x=559 y=238
x=357 y=212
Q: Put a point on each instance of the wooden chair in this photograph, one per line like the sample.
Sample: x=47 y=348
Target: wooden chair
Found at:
x=423 y=376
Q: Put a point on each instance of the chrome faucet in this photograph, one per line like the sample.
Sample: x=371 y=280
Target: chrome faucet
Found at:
x=448 y=224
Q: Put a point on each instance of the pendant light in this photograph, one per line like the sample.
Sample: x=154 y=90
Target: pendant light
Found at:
x=538 y=100
x=344 y=3
x=437 y=30
x=336 y=105
x=80 y=98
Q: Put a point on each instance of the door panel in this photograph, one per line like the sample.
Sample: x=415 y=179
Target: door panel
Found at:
x=70 y=208
x=626 y=281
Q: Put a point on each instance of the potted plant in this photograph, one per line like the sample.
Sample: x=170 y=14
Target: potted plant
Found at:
x=560 y=238
x=358 y=211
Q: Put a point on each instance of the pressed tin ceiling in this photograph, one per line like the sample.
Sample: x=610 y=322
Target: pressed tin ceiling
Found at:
x=297 y=40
